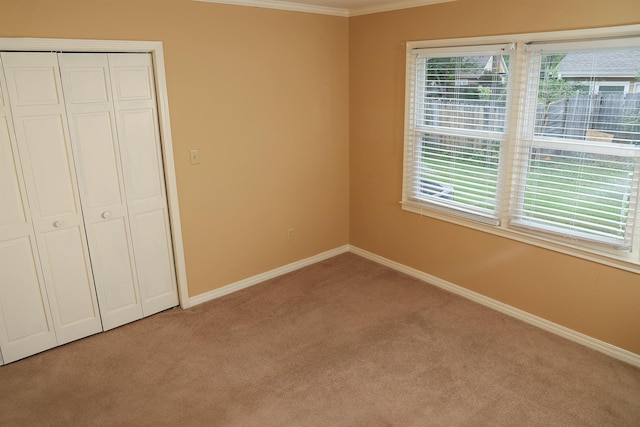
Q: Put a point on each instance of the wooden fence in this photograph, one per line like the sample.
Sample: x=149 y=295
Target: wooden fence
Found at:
x=612 y=117
x=606 y=117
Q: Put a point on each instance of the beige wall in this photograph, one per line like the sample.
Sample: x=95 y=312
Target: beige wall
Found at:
x=263 y=95
x=299 y=122
x=599 y=301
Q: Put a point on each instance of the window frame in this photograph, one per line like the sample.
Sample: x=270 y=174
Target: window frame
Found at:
x=416 y=111
x=511 y=151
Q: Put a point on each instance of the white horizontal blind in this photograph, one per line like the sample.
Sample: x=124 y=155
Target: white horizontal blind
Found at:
x=456 y=129
x=579 y=169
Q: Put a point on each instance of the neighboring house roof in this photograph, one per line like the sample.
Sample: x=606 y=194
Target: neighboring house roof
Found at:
x=608 y=64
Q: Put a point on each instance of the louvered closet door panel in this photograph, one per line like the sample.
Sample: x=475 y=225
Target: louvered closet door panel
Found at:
x=90 y=110
x=138 y=132
x=25 y=320
x=40 y=122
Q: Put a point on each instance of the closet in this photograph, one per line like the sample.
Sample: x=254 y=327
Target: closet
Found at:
x=85 y=243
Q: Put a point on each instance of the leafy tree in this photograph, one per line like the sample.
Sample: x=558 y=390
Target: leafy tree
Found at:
x=552 y=86
x=441 y=75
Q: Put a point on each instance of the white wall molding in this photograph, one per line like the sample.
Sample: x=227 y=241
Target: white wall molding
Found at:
x=570 y=334
x=284 y=5
x=577 y=337
x=259 y=278
x=393 y=5
x=307 y=7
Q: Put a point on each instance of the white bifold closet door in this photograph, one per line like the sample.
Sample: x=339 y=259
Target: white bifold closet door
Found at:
x=135 y=103
x=40 y=123
x=91 y=250
x=114 y=130
x=26 y=326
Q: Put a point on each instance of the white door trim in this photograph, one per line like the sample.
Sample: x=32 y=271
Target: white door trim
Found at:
x=155 y=49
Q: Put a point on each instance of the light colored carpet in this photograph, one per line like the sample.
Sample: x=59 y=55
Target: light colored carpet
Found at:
x=345 y=342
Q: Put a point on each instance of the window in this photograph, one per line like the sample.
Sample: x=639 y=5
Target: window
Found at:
x=523 y=139
x=608 y=87
x=459 y=122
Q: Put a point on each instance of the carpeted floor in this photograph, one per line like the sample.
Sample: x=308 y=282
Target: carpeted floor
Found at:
x=345 y=342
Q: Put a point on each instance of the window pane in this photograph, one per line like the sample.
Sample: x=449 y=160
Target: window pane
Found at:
x=581 y=179
x=458 y=130
x=462 y=171
x=578 y=193
x=464 y=92
x=579 y=98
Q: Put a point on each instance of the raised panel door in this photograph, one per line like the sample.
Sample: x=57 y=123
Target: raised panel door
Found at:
x=139 y=139
x=90 y=110
x=35 y=93
x=25 y=320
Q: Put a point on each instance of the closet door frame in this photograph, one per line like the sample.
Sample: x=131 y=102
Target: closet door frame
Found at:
x=156 y=51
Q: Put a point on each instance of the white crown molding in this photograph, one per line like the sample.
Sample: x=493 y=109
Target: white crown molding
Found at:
x=394 y=5
x=284 y=5
x=570 y=334
x=324 y=10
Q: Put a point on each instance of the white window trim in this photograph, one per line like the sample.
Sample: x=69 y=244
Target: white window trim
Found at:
x=465 y=212
x=626 y=261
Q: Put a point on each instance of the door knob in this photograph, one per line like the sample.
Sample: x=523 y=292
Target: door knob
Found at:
x=106 y=214
x=58 y=224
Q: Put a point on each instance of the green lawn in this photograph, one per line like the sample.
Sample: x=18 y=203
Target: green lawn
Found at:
x=470 y=170
x=564 y=190
x=588 y=195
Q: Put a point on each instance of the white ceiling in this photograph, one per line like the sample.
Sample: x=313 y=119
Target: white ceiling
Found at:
x=332 y=7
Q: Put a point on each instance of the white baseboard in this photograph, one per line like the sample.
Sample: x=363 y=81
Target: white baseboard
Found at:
x=259 y=278
x=570 y=334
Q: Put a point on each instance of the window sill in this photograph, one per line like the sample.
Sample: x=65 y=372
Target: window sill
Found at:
x=622 y=261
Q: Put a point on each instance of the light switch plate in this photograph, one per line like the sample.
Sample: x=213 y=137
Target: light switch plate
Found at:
x=195 y=157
